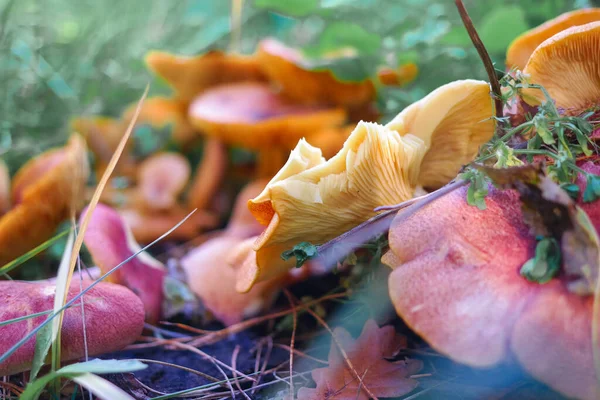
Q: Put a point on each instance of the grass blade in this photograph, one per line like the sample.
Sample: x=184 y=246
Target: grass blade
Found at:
x=102 y=388
x=6 y=268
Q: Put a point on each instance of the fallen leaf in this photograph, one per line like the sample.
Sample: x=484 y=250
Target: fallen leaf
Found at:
x=367 y=355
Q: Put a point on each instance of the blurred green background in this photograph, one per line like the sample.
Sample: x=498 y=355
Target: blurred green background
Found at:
x=62 y=58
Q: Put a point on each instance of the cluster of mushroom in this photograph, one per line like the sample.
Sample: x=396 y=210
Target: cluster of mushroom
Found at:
x=455 y=277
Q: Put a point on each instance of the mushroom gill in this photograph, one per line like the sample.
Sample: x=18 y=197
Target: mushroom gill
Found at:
x=453 y=121
x=523 y=46
x=568 y=67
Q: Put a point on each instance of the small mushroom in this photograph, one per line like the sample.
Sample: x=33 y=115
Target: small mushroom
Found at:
x=456 y=282
x=161 y=179
x=567 y=66
x=253 y=116
x=45 y=191
x=284 y=65
x=523 y=46
x=190 y=76
x=310 y=199
x=114 y=318
x=110 y=242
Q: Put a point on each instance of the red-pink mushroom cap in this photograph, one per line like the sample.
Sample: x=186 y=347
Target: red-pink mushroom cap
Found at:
x=110 y=242
x=114 y=318
x=456 y=282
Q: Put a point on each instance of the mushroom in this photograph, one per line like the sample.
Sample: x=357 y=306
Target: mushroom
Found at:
x=317 y=199
x=285 y=66
x=211 y=268
x=162 y=177
x=456 y=282
x=523 y=46
x=114 y=318
x=190 y=76
x=110 y=242
x=567 y=66
x=4 y=188
x=45 y=191
x=253 y=116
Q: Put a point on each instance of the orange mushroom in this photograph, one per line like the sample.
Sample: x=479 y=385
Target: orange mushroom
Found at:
x=567 y=66
x=253 y=116
x=190 y=76
x=523 y=46
x=317 y=200
x=45 y=191
x=284 y=65
x=162 y=177
x=456 y=282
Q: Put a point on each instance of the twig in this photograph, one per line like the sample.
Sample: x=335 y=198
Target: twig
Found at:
x=342 y=351
x=335 y=249
x=234 y=356
x=292 y=340
x=301 y=354
x=485 y=57
x=435 y=194
x=181 y=367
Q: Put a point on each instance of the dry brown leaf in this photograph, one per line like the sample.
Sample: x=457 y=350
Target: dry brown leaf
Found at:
x=367 y=355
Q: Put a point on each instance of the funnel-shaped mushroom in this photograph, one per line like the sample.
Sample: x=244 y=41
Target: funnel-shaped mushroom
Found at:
x=453 y=121
x=312 y=200
x=253 y=116
x=114 y=318
x=212 y=278
x=523 y=46
x=456 y=282
x=190 y=76
x=110 y=242
x=284 y=65
x=45 y=191
x=568 y=67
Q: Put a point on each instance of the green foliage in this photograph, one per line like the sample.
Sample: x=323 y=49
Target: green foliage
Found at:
x=36 y=386
x=546 y=263
x=296 y=8
x=303 y=252
x=478 y=187
x=500 y=26
x=592 y=191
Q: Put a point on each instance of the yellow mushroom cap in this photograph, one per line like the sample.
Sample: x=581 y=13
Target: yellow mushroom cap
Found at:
x=253 y=116
x=324 y=199
x=568 y=66
x=523 y=46
x=453 y=121
x=190 y=76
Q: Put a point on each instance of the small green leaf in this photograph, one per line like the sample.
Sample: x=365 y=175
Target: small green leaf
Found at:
x=295 y=8
x=99 y=366
x=541 y=127
x=303 y=252
x=546 y=263
x=43 y=341
x=571 y=189
x=592 y=191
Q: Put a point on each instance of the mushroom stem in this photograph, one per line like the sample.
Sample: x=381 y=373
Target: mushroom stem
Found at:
x=209 y=174
x=483 y=54
x=270 y=161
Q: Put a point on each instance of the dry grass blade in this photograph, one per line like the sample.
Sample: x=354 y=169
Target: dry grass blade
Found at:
x=292 y=340
x=64 y=288
x=234 y=357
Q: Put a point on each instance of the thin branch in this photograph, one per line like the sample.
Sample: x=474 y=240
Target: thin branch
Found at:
x=484 y=55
